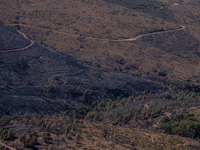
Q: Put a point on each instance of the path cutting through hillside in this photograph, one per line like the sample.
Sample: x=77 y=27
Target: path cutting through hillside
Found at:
x=20 y=49
x=108 y=40
x=7 y=146
x=70 y=34
x=139 y=36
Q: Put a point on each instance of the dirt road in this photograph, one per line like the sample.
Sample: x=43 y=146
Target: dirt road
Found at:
x=20 y=49
x=107 y=40
x=7 y=146
x=139 y=36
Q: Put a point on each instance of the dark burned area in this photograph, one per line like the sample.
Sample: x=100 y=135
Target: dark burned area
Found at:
x=39 y=81
x=11 y=39
x=65 y=88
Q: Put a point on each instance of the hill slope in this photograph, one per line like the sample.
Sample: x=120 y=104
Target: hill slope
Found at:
x=10 y=39
x=35 y=79
x=113 y=19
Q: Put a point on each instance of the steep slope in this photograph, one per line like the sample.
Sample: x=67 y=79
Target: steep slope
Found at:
x=10 y=39
x=39 y=80
x=146 y=57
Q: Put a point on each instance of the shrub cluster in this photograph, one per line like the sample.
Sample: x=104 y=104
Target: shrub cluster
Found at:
x=141 y=106
x=30 y=141
x=6 y=134
x=184 y=125
x=46 y=137
x=151 y=7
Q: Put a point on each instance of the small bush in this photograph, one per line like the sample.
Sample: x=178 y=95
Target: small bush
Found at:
x=46 y=137
x=189 y=128
x=81 y=45
x=179 y=117
x=7 y=134
x=68 y=128
x=31 y=141
x=165 y=119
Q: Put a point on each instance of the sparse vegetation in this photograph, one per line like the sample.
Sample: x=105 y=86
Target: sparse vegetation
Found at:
x=189 y=126
x=144 y=90
x=31 y=140
x=152 y=7
x=7 y=134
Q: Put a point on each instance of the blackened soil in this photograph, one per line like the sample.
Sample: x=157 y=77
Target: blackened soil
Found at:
x=40 y=81
x=11 y=39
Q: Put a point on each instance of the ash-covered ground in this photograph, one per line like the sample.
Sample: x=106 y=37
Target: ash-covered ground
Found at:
x=39 y=81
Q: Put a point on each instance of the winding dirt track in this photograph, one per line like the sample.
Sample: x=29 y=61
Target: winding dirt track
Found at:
x=70 y=34
x=139 y=36
x=20 y=49
x=7 y=146
x=108 y=40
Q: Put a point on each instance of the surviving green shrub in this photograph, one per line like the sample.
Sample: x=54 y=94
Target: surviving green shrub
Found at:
x=126 y=117
x=189 y=128
x=189 y=115
x=81 y=45
x=68 y=128
x=46 y=137
x=161 y=72
x=90 y=115
x=167 y=127
x=31 y=141
x=179 y=117
x=33 y=133
x=7 y=134
x=165 y=119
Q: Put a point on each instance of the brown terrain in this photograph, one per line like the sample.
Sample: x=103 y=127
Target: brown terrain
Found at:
x=81 y=27
x=99 y=74
x=87 y=135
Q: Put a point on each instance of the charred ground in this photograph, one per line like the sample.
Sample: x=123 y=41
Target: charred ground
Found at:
x=10 y=39
x=130 y=112
x=36 y=79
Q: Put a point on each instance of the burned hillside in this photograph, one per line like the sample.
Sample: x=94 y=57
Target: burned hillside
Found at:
x=37 y=80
